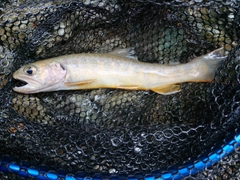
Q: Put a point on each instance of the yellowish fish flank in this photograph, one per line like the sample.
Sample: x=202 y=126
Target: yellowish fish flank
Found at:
x=91 y=71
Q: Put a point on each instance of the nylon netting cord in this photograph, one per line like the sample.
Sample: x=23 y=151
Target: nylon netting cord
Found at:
x=120 y=134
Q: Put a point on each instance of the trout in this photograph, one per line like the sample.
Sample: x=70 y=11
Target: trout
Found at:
x=113 y=70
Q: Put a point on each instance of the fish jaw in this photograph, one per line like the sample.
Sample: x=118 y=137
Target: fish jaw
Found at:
x=25 y=89
x=31 y=87
x=49 y=77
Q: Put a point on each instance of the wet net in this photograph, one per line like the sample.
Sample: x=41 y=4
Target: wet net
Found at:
x=107 y=133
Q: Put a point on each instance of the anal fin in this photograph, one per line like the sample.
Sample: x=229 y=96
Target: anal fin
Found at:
x=167 y=89
x=78 y=83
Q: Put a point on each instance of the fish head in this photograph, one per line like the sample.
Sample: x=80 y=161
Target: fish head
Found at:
x=41 y=76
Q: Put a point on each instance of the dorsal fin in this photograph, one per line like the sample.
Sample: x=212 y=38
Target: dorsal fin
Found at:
x=126 y=53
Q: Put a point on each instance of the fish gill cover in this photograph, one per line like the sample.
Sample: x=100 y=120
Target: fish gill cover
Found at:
x=118 y=131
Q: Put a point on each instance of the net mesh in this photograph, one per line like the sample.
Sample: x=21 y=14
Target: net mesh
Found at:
x=118 y=131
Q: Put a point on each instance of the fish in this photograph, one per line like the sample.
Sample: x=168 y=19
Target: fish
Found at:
x=114 y=70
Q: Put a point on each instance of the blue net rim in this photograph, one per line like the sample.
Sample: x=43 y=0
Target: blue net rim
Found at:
x=192 y=167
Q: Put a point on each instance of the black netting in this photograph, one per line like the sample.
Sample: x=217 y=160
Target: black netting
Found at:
x=119 y=131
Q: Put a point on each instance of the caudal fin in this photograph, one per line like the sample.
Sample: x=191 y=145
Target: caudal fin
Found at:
x=209 y=64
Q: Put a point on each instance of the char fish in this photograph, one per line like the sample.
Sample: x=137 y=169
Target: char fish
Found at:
x=113 y=70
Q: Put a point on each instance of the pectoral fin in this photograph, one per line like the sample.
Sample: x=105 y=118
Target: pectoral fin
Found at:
x=168 y=89
x=128 y=87
x=78 y=83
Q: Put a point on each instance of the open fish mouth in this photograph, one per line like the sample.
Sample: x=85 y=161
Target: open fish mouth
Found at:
x=25 y=85
x=20 y=83
x=21 y=86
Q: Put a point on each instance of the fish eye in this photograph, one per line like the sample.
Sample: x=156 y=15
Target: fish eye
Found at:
x=30 y=70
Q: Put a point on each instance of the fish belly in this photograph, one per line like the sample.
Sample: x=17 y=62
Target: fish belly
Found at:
x=122 y=74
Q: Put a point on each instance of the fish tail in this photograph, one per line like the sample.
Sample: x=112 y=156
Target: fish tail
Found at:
x=200 y=69
x=209 y=65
